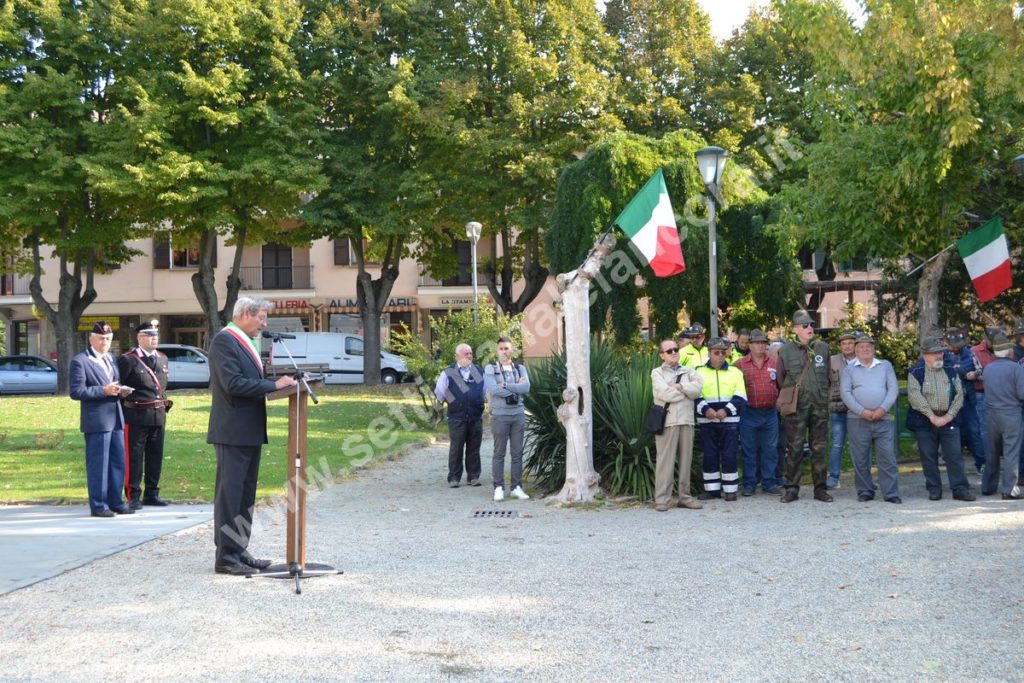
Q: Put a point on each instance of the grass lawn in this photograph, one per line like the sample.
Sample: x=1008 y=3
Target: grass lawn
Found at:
x=42 y=452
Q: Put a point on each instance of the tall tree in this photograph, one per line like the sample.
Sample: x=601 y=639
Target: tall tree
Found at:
x=219 y=130
x=524 y=86
x=58 y=61
x=370 y=68
x=915 y=112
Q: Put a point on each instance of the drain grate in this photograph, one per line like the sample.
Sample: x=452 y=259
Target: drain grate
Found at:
x=492 y=514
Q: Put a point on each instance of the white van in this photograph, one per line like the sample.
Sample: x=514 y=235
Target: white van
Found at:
x=341 y=356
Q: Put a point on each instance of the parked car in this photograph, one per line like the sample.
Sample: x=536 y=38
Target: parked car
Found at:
x=187 y=366
x=27 y=375
x=339 y=354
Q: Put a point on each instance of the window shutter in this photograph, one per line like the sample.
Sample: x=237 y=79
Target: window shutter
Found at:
x=161 y=253
x=342 y=256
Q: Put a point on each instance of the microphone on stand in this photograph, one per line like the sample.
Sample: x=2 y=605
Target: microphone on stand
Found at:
x=276 y=336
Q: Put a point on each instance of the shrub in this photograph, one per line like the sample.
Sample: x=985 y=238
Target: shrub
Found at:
x=450 y=330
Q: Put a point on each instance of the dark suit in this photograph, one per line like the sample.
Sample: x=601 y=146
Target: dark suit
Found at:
x=238 y=429
x=145 y=415
x=103 y=425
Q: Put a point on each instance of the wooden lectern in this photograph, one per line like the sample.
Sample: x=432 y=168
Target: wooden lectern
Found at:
x=296 y=566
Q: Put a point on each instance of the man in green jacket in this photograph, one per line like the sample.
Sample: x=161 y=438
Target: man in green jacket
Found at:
x=803 y=363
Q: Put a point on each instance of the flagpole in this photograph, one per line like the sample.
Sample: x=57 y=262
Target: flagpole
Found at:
x=930 y=260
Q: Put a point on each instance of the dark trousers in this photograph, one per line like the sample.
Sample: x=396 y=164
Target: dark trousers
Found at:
x=929 y=441
x=810 y=424
x=234 y=497
x=465 y=438
x=104 y=469
x=970 y=428
x=759 y=430
x=720 y=441
x=145 y=455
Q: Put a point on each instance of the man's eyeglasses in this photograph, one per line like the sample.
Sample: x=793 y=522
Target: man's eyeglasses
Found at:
x=806 y=326
x=674 y=349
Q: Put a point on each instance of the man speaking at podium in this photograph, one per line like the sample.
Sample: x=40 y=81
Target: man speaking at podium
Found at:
x=238 y=430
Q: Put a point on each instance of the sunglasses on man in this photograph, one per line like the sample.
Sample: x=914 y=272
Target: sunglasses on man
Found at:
x=674 y=349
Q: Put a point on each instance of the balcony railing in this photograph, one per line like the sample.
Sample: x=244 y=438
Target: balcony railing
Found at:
x=14 y=285
x=464 y=278
x=276 y=277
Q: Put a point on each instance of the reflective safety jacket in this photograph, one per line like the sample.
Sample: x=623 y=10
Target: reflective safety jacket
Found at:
x=723 y=388
x=692 y=357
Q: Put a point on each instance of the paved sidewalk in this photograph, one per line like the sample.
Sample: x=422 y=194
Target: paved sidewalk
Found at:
x=751 y=590
x=42 y=541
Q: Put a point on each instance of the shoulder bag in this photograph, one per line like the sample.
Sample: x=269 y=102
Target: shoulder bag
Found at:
x=788 y=396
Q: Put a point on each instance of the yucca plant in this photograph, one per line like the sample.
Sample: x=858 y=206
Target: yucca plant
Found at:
x=624 y=451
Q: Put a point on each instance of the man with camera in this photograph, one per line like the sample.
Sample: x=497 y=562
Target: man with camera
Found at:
x=506 y=383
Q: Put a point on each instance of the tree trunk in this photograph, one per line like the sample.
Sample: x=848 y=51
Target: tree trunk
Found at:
x=534 y=274
x=576 y=411
x=372 y=296
x=204 y=283
x=72 y=300
x=928 y=294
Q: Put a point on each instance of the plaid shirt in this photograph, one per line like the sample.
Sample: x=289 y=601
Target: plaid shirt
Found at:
x=762 y=391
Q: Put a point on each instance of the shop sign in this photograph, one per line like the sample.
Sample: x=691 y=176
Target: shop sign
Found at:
x=290 y=303
x=86 y=322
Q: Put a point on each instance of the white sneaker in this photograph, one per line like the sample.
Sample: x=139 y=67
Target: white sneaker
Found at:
x=499 y=493
x=519 y=493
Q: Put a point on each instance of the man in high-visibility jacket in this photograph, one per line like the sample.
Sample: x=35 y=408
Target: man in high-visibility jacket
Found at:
x=718 y=413
x=692 y=353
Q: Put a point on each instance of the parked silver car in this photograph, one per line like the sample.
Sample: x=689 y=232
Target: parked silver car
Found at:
x=187 y=366
x=27 y=375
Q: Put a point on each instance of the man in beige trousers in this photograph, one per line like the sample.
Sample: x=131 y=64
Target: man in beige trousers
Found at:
x=675 y=386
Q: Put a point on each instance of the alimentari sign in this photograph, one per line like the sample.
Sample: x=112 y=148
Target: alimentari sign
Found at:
x=393 y=301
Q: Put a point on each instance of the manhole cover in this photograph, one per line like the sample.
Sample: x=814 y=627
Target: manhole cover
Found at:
x=492 y=514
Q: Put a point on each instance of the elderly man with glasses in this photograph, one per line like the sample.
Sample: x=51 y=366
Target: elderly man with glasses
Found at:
x=675 y=386
x=803 y=367
x=461 y=386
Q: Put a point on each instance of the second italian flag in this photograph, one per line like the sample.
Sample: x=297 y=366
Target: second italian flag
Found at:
x=987 y=257
x=651 y=226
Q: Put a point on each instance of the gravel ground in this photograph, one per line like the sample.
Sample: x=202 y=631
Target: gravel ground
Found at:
x=751 y=590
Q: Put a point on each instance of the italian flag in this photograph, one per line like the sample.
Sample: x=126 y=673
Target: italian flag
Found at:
x=987 y=257
x=651 y=226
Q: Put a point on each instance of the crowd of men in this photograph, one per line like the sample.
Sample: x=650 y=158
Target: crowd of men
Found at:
x=772 y=405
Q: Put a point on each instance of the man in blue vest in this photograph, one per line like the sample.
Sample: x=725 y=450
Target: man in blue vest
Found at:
x=936 y=397
x=461 y=385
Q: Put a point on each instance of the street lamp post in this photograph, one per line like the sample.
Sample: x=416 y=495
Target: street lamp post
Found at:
x=473 y=233
x=1018 y=166
x=711 y=162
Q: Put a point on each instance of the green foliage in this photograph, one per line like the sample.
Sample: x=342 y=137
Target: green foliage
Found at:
x=756 y=259
x=624 y=451
x=901 y=348
x=918 y=114
x=450 y=330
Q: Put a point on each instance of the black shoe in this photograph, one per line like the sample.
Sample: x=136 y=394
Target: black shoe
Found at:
x=988 y=493
x=708 y=496
x=474 y=482
x=453 y=484
x=822 y=495
x=968 y=496
x=135 y=504
x=935 y=495
x=748 y=491
x=1010 y=496
x=895 y=500
x=250 y=561
x=233 y=569
x=773 y=490
x=790 y=495
x=123 y=510
x=729 y=497
x=155 y=501
x=102 y=513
